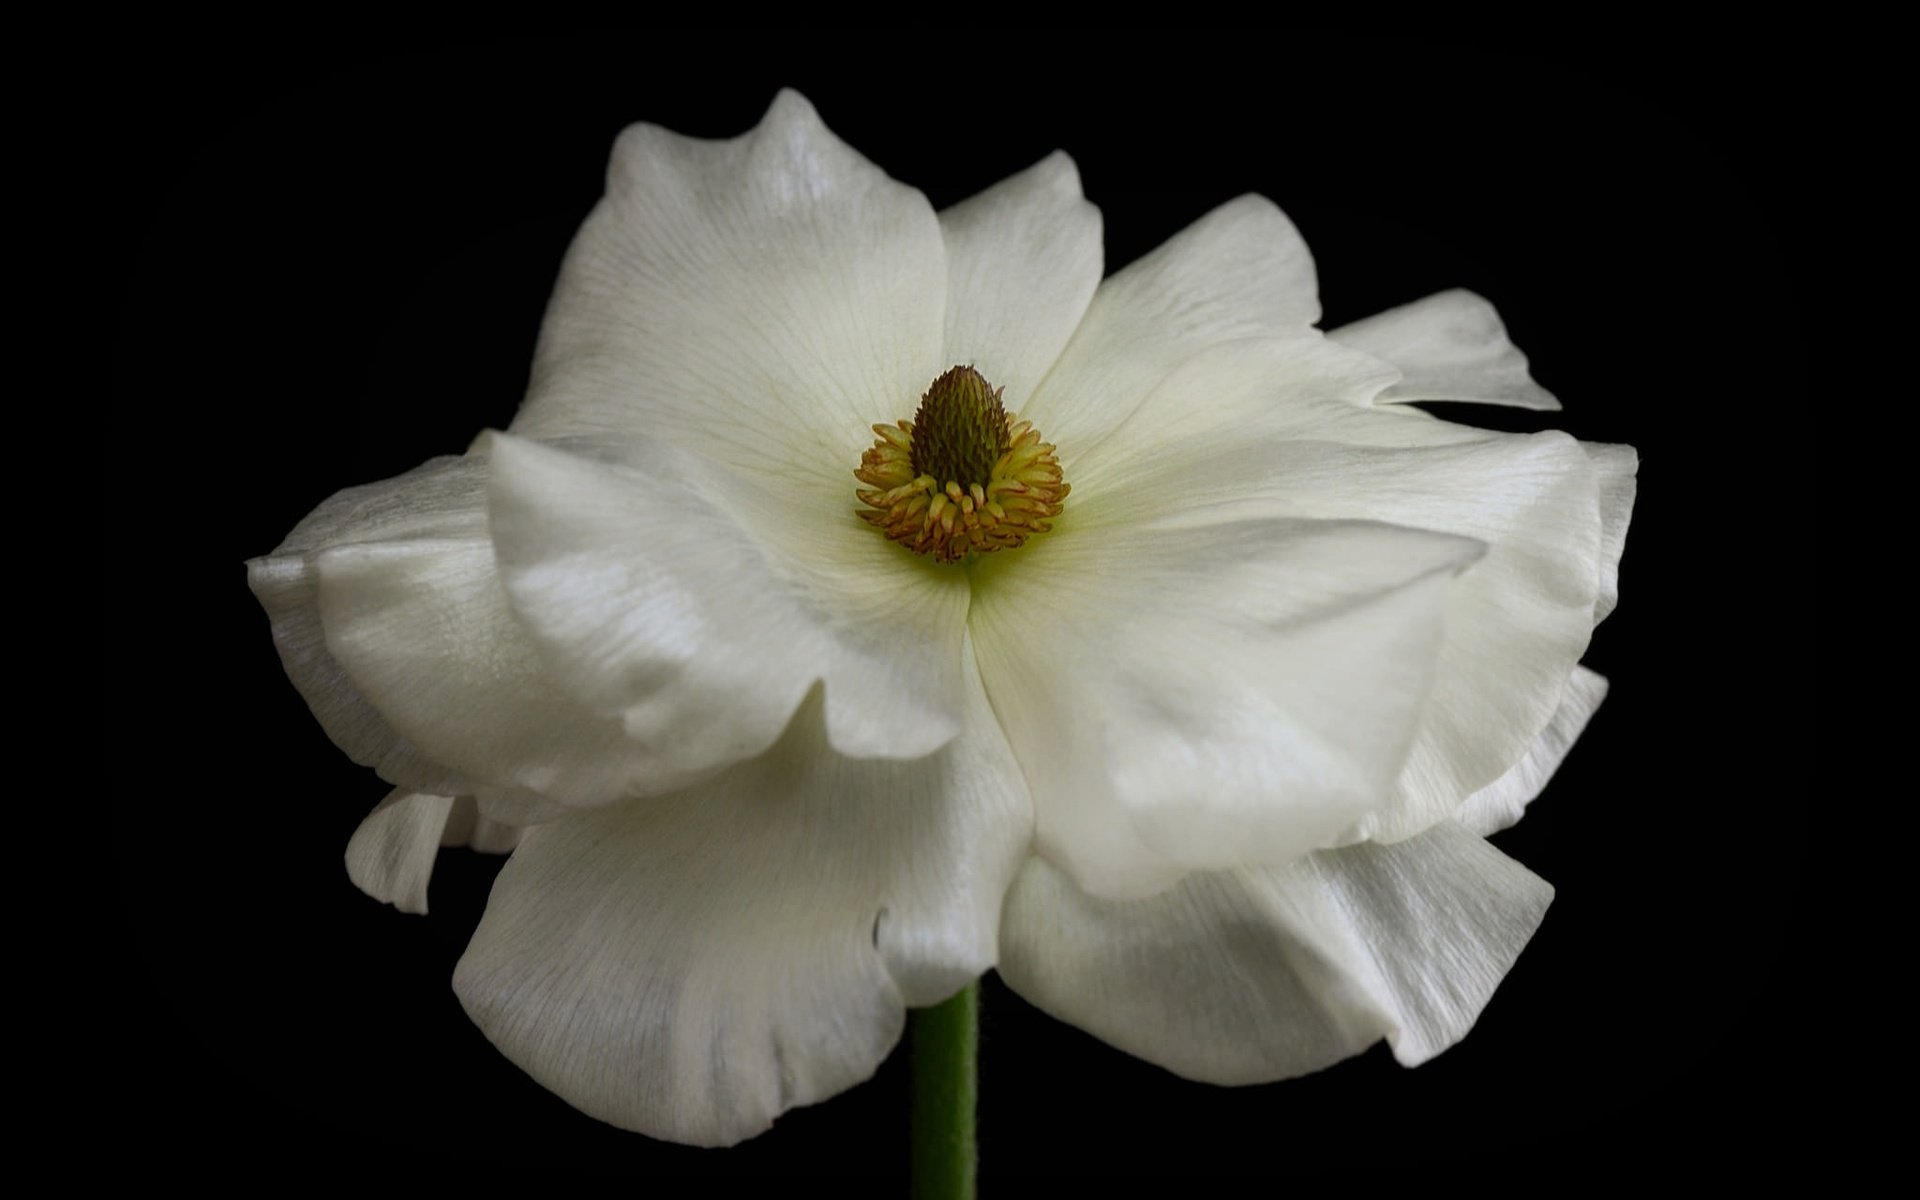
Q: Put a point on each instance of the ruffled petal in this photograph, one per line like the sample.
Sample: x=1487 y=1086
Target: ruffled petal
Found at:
x=1279 y=428
x=422 y=627
x=1198 y=698
x=1448 y=346
x=1254 y=975
x=692 y=967
x=440 y=498
x=653 y=600
x=1617 y=468
x=760 y=301
x=427 y=678
x=1501 y=803
x=391 y=620
x=390 y=856
x=1523 y=621
x=1023 y=260
x=1519 y=621
x=1240 y=271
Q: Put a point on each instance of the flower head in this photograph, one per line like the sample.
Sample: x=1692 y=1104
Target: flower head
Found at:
x=1198 y=756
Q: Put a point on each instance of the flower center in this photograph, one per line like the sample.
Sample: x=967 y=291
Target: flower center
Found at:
x=963 y=477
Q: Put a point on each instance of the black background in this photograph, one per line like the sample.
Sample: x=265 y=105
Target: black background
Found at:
x=329 y=258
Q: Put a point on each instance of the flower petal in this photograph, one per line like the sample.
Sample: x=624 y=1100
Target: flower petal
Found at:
x=1200 y=444
x=449 y=698
x=653 y=601
x=694 y=966
x=1023 y=260
x=1501 y=803
x=1448 y=346
x=443 y=497
x=1617 y=467
x=1198 y=698
x=761 y=301
x=1520 y=621
x=423 y=629
x=1254 y=975
x=390 y=856
x=1278 y=428
x=1240 y=271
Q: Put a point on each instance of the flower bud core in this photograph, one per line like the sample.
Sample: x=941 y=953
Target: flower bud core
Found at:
x=963 y=476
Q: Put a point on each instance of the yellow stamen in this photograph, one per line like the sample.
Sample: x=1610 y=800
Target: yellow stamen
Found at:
x=963 y=476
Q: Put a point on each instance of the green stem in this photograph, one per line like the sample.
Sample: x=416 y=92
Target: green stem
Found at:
x=946 y=1040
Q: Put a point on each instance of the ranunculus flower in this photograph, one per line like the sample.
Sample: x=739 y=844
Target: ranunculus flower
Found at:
x=1176 y=670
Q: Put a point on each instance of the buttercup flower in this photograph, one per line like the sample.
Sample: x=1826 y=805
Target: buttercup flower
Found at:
x=866 y=597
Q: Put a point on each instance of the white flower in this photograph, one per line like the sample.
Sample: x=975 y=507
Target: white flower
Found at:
x=1203 y=769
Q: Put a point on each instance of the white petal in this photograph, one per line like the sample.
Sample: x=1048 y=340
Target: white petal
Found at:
x=1201 y=445
x=1448 y=346
x=761 y=301
x=1240 y=271
x=1519 y=621
x=1617 y=467
x=423 y=628
x=1501 y=803
x=653 y=601
x=390 y=856
x=1261 y=974
x=1278 y=428
x=1023 y=259
x=1200 y=698
x=444 y=495
x=428 y=679
x=692 y=967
